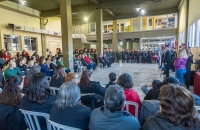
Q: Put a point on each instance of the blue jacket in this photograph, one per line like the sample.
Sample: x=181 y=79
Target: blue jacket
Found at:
x=103 y=119
x=45 y=69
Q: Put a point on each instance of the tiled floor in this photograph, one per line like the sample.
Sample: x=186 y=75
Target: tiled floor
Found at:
x=141 y=74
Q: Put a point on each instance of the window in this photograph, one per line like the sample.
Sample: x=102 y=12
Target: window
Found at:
x=192 y=35
x=198 y=34
x=30 y=43
x=182 y=38
x=11 y=42
x=92 y=28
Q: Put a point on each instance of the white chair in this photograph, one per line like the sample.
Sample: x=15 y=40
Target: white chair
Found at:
x=54 y=90
x=100 y=65
x=128 y=103
x=31 y=119
x=81 y=68
x=57 y=126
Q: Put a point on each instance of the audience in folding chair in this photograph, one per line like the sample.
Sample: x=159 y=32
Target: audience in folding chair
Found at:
x=125 y=81
x=38 y=97
x=59 y=78
x=68 y=109
x=177 y=110
x=72 y=77
x=112 y=116
x=10 y=116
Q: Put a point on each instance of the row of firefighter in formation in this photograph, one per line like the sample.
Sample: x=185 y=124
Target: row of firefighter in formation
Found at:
x=125 y=55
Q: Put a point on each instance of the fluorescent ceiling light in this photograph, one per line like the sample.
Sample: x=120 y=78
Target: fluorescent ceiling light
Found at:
x=161 y=43
x=138 y=9
x=86 y=19
x=143 y=11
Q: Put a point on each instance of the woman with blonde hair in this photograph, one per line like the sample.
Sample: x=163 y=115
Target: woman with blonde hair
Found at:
x=72 y=77
x=180 y=65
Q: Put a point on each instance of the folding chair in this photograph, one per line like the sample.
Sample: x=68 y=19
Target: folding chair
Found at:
x=128 y=103
x=57 y=126
x=31 y=119
x=81 y=68
x=54 y=90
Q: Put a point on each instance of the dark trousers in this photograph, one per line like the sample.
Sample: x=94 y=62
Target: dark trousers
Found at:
x=138 y=59
x=167 y=70
x=150 y=60
x=123 y=59
x=118 y=58
x=143 y=59
x=128 y=59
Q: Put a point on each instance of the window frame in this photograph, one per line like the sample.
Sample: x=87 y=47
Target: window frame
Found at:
x=11 y=42
x=30 y=37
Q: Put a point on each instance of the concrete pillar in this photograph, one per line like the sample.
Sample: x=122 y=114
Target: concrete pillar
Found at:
x=141 y=26
x=66 y=26
x=115 y=38
x=153 y=22
x=99 y=29
x=145 y=23
x=43 y=38
x=140 y=44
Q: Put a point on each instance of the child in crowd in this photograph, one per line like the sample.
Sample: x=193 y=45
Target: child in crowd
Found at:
x=112 y=77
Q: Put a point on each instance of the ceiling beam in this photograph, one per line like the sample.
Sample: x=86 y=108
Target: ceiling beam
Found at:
x=110 y=13
x=95 y=2
x=150 y=13
x=119 y=3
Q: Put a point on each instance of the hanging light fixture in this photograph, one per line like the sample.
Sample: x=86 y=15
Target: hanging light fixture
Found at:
x=23 y=2
x=138 y=9
x=142 y=11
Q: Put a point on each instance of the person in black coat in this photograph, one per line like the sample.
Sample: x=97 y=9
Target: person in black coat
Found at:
x=106 y=59
x=143 y=56
x=167 y=60
x=153 y=94
x=11 y=117
x=38 y=97
x=138 y=56
x=118 y=54
x=173 y=58
x=188 y=68
x=88 y=86
x=101 y=60
x=59 y=78
x=150 y=55
x=127 y=56
x=123 y=56
x=68 y=110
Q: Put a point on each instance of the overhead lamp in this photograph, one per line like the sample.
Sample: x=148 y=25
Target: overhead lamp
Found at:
x=138 y=9
x=23 y=2
x=86 y=19
x=143 y=11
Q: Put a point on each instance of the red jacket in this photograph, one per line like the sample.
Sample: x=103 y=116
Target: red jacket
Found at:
x=131 y=95
x=6 y=56
x=87 y=59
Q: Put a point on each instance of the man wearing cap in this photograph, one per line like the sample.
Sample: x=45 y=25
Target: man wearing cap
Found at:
x=167 y=59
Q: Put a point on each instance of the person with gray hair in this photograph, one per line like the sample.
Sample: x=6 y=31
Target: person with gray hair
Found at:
x=68 y=109
x=12 y=70
x=113 y=113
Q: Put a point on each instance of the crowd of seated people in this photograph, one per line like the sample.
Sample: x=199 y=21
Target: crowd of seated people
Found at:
x=86 y=104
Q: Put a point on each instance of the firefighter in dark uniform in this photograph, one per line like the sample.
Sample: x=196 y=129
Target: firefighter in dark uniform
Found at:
x=106 y=59
x=118 y=54
x=167 y=60
x=127 y=56
x=123 y=56
x=132 y=56
x=143 y=56
x=113 y=53
x=138 y=56
x=150 y=54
